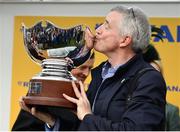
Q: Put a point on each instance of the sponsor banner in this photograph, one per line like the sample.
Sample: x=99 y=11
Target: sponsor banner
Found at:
x=24 y=68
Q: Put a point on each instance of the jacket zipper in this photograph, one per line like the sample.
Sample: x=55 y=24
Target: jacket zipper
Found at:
x=94 y=101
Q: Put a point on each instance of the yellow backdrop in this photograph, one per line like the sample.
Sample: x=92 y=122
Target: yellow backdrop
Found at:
x=24 y=68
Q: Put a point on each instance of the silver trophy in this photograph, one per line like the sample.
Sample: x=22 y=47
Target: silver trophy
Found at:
x=50 y=46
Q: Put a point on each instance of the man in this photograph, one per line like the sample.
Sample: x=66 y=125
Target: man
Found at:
x=172 y=117
x=82 y=72
x=172 y=112
x=106 y=106
x=26 y=122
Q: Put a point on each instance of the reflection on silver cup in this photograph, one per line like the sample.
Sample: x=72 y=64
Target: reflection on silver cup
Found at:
x=39 y=38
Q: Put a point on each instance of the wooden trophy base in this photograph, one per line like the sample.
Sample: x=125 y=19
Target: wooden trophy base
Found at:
x=49 y=93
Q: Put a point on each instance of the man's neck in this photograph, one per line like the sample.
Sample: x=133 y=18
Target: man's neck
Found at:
x=120 y=59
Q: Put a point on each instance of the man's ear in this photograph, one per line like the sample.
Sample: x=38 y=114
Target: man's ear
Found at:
x=125 y=41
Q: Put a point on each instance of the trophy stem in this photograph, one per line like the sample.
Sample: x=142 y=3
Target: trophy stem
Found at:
x=54 y=69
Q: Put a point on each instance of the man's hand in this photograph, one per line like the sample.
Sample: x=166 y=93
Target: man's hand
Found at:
x=47 y=118
x=89 y=38
x=82 y=102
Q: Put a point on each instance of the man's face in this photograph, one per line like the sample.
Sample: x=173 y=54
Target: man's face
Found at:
x=83 y=71
x=107 y=35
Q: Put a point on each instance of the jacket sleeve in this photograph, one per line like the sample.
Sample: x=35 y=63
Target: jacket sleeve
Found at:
x=172 y=118
x=146 y=110
x=27 y=122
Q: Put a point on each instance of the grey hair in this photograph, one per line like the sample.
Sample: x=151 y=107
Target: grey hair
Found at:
x=135 y=23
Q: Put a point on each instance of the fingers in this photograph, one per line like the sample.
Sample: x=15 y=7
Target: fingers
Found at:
x=76 y=91
x=88 y=31
x=33 y=111
x=82 y=90
x=73 y=100
x=78 y=94
x=89 y=37
x=45 y=117
x=23 y=105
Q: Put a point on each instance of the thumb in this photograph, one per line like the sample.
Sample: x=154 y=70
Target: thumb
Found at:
x=33 y=111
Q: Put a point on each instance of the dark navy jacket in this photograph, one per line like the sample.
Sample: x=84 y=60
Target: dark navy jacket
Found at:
x=146 y=110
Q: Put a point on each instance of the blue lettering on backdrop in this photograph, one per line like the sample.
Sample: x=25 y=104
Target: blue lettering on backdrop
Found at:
x=167 y=34
x=173 y=88
x=178 y=33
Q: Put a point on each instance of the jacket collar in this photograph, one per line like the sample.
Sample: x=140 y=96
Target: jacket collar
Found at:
x=132 y=66
x=124 y=70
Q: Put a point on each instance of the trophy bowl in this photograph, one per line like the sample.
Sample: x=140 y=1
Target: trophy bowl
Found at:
x=49 y=46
